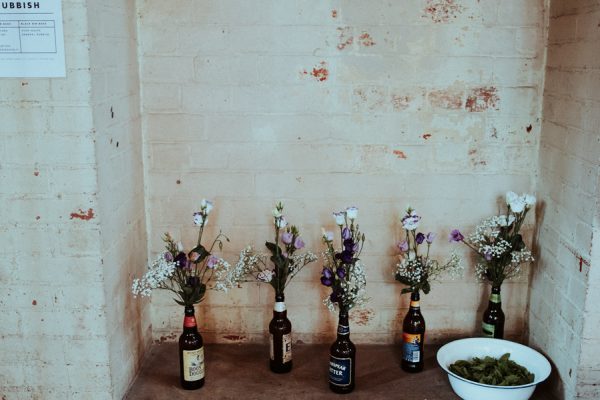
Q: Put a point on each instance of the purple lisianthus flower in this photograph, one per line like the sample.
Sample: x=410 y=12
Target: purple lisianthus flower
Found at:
x=455 y=236
x=181 y=260
x=419 y=238
x=430 y=236
x=287 y=237
x=341 y=272
x=298 y=243
x=403 y=246
x=346 y=234
x=212 y=261
x=347 y=256
x=352 y=213
x=348 y=244
x=326 y=281
x=168 y=256
x=327 y=273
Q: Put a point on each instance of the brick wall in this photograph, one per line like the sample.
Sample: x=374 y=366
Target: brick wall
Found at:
x=52 y=312
x=328 y=104
x=71 y=223
x=118 y=145
x=564 y=290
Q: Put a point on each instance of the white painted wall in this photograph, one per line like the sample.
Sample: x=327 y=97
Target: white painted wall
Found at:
x=326 y=104
x=564 y=308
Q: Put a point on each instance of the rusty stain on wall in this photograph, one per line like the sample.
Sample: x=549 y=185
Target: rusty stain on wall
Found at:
x=345 y=37
x=234 y=338
x=362 y=317
x=426 y=136
x=448 y=99
x=400 y=154
x=366 y=40
x=482 y=98
x=442 y=11
x=83 y=215
x=400 y=102
x=334 y=13
x=320 y=72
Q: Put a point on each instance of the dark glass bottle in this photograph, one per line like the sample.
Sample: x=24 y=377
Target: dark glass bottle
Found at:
x=413 y=335
x=342 y=356
x=280 y=329
x=493 y=316
x=191 y=353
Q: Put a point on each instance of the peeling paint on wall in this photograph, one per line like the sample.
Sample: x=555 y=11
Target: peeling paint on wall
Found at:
x=442 y=11
x=482 y=99
x=83 y=215
x=400 y=154
x=345 y=37
x=366 y=40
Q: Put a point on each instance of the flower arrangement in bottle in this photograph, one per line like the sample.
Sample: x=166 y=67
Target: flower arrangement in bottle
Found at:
x=187 y=276
x=501 y=252
x=416 y=269
x=278 y=270
x=344 y=273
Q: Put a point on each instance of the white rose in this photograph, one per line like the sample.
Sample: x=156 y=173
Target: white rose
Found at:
x=352 y=213
x=529 y=199
x=206 y=206
x=511 y=197
x=340 y=218
x=518 y=205
x=281 y=222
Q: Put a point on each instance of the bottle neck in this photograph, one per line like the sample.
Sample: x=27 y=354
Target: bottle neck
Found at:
x=415 y=301
x=189 y=321
x=279 y=308
x=495 y=296
x=343 y=331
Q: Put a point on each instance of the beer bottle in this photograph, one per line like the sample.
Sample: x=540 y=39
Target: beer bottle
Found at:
x=493 y=316
x=413 y=335
x=280 y=330
x=342 y=355
x=191 y=353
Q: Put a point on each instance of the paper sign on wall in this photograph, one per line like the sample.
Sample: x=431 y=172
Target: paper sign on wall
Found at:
x=31 y=39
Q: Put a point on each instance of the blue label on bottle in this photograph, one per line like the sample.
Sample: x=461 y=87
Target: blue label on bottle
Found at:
x=340 y=371
x=411 y=351
x=343 y=330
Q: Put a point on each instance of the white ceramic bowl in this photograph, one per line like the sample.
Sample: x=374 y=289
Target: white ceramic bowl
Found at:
x=465 y=349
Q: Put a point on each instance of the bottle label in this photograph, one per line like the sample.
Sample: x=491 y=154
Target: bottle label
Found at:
x=340 y=371
x=286 y=348
x=411 y=347
x=495 y=298
x=279 y=306
x=488 y=329
x=189 y=322
x=343 y=330
x=414 y=304
x=193 y=365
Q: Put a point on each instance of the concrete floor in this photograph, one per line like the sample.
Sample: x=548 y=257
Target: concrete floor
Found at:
x=241 y=371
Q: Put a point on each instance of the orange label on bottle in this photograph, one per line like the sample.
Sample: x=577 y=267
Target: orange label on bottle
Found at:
x=189 y=322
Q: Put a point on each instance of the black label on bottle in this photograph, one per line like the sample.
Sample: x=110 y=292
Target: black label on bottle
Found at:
x=340 y=371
